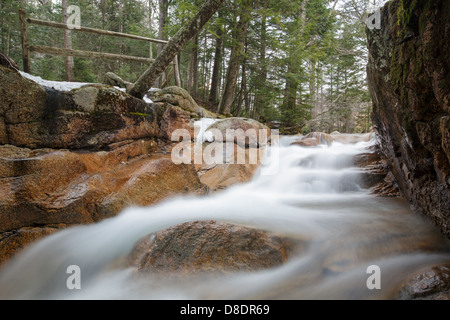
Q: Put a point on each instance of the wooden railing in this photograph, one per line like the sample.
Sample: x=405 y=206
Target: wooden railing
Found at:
x=27 y=48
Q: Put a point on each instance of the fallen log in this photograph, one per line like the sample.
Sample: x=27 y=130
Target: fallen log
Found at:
x=173 y=47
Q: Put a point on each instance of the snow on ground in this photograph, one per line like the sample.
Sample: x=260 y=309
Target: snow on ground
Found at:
x=147 y=99
x=57 y=85
x=66 y=86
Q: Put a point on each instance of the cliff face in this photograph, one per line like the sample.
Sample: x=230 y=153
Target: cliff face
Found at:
x=409 y=80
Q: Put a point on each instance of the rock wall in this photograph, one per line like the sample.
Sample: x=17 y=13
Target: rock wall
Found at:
x=409 y=82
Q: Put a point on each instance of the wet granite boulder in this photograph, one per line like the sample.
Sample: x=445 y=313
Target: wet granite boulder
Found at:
x=430 y=284
x=48 y=187
x=315 y=139
x=210 y=246
x=242 y=131
x=93 y=116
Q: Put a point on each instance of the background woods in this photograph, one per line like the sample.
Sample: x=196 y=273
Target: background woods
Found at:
x=299 y=63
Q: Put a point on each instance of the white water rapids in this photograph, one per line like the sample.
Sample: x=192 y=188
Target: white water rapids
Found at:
x=314 y=196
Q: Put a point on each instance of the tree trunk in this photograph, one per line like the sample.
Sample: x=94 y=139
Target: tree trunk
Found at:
x=103 y=6
x=163 y=11
x=150 y=26
x=204 y=65
x=8 y=41
x=236 y=58
x=216 y=69
x=122 y=49
x=67 y=43
x=312 y=80
x=177 y=71
x=260 y=99
x=291 y=116
x=193 y=69
x=247 y=103
x=243 y=91
x=290 y=98
x=114 y=80
x=179 y=40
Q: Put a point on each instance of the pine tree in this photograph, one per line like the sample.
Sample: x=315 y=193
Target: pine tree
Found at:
x=237 y=55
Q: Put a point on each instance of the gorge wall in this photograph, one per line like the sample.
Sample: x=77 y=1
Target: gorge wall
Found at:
x=409 y=80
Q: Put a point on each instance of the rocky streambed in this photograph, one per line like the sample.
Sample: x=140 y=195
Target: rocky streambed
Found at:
x=88 y=179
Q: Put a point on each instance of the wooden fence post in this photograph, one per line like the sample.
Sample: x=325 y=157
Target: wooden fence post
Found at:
x=175 y=63
x=25 y=44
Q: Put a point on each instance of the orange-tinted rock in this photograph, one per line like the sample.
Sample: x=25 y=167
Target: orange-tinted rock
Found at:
x=149 y=181
x=306 y=142
x=430 y=284
x=367 y=159
x=376 y=174
x=86 y=187
x=235 y=165
x=351 y=138
x=47 y=187
x=315 y=139
x=14 y=241
x=239 y=165
x=209 y=246
x=321 y=137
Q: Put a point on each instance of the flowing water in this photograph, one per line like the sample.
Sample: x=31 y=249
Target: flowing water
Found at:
x=314 y=196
